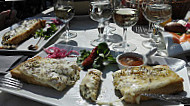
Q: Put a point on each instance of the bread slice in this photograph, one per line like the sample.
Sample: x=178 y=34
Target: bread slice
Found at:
x=22 y=32
x=49 y=72
x=90 y=84
x=134 y=81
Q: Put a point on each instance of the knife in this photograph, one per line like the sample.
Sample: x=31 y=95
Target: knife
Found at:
x=169 y=98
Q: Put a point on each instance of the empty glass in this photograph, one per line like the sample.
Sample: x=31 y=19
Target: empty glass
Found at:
x=155 y=11
x=100 y=11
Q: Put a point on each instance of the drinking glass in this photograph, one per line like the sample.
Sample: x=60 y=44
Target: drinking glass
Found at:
x=146 y=33
x=100 y=11
x=125 y=15
x=108 y=28
x=155 y=11
x=64 y=11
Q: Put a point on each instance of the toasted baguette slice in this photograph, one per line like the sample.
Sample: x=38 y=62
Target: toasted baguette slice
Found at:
x=90 y=84
x=22 y=32
x=47 y=72
x=158 y=79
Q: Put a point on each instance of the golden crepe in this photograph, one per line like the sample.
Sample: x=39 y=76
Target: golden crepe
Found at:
x=49 y=72
x=134 y=81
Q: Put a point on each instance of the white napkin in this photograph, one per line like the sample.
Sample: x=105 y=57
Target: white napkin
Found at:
x=9 y=62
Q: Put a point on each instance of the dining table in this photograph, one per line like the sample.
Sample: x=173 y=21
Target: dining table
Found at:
x=87 y=31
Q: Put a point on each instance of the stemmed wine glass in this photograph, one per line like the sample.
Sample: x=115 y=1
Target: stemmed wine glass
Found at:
x=65 y=12
x=148 y=31
x=125 y=14
x=109 y=29
x=100 y=11
x=155 y=11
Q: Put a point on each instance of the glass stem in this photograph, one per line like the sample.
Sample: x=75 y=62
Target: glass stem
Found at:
x=125 y=37
x=107 y=30
x=101 y=31
x=149 y=27
x=153 y=35
x=67 y=30
x=150 y=24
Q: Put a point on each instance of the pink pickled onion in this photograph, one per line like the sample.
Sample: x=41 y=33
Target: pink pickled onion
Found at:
x=54 y=52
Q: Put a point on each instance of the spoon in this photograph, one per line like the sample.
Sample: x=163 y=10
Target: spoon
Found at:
x=34 y=47
x=151 y=52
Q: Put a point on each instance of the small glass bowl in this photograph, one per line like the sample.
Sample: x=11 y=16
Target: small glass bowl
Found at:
x=130 y=54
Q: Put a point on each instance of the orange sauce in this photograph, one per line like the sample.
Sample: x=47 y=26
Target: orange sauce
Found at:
x=180 y=39
x=131 y=61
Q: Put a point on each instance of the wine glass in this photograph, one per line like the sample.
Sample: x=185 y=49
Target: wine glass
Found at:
x=64 y=11
x=125 y=15
x=146 y=33
x=156 y=11
x=100 y=11
x=109 y=29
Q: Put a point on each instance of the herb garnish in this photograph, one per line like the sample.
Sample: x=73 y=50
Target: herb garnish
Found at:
x=48 y=33
x=99 y=57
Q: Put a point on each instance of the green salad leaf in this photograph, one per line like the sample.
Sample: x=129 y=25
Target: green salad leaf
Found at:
x=104 y=57
x=46 y=34
x=84 y=55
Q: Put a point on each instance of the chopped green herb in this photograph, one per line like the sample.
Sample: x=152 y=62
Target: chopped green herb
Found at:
x=46 y=34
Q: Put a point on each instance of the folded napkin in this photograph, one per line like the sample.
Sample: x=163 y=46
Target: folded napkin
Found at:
x=9 y=62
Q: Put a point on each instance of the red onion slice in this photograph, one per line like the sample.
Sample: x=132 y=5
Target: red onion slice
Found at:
x=54 y=52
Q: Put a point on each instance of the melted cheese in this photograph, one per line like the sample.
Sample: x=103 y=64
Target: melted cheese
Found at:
x=133 y=81
x=90 y=84
x=53 y=72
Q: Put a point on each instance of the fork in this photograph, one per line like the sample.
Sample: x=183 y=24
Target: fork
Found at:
x=169 y=98
x=11 y=83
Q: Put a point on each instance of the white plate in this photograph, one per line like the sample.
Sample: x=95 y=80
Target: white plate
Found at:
x=23 y=47
x=71 y=96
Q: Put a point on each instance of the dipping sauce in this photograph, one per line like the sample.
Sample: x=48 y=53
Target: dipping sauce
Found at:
x=131 y=61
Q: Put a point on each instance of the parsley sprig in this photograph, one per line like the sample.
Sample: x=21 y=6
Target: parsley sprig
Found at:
x=46 y=34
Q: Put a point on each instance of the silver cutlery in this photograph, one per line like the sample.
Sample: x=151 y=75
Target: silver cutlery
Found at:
x=169 y=98
x=11 y=83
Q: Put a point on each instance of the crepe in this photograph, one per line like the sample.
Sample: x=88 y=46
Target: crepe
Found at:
x=160 y=79
x=49 y=72
x=90 y=84
x=22 y=32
